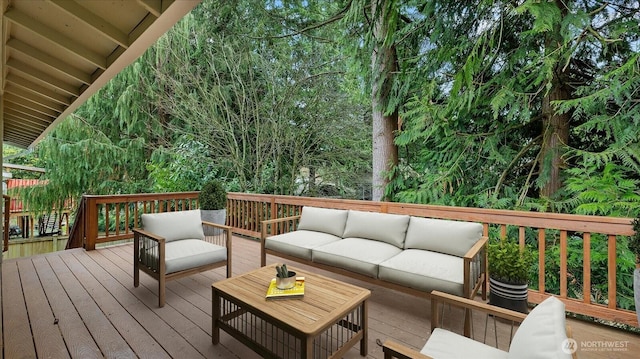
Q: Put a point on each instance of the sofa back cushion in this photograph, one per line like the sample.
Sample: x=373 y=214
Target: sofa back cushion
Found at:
x=542 y=334
x=174 y=226
x=444 y=236
x=384 y=227
x=331 y=221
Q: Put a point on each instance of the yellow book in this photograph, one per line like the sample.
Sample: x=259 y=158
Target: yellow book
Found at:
x=296 y=292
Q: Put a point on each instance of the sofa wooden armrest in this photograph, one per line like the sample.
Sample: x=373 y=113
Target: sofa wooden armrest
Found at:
x=266 y=230
x=476 y=278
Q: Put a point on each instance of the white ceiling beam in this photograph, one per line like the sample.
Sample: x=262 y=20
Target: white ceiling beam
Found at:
x=36 y=75
x=96 y=22
x=28 y=111
x=55 y=37
x=35 y=88
x=15 y=100
x=40 y=122
x=152 y=6
x=17 y=137
x=49 y=61
x=24 y=125
x=35 y=98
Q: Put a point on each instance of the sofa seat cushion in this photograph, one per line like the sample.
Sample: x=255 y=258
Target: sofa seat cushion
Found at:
x=384 y=227
x=443 y=344
x=191 y=253
x=542 y=334
x=299 y=243
x=355 y=254
x=174 y=225
x=325 y=220
x=424 y=270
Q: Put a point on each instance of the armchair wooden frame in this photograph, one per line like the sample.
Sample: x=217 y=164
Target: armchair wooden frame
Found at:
x=393 y=349
x=153 y=260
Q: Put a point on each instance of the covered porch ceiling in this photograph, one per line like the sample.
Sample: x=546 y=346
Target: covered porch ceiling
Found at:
x=57 y=53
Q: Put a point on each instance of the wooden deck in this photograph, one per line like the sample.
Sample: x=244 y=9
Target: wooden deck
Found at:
x=78 y=304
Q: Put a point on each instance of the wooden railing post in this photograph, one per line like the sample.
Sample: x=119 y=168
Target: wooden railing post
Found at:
x=5 y=229
x=90 y=223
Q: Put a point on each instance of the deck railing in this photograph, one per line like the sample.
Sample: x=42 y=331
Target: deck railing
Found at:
x=103 y=219
x=555 y=236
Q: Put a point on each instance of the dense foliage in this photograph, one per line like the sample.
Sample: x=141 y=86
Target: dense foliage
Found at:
x=529 y=105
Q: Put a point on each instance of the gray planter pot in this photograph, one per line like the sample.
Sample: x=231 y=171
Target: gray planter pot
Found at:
x=218 y=216
x=636 y=291
x=509 y=295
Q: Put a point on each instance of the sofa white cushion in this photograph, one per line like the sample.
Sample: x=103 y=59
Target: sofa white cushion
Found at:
x=299 y=243
x=425 y=271
x=384 y=227
x=174 y=225
x=192 y=253
x=443 y=344
x=444 y=236
x=325 y=220
x=355 y=254
x=542 y=333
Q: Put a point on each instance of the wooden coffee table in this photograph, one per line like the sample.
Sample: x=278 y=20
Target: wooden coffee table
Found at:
x=329 y=320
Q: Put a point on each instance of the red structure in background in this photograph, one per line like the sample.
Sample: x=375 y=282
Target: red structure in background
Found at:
x=47 y=224
x=16 y=203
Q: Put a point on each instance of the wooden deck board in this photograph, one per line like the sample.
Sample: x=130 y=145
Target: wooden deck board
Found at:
x=17 y=338
x=101 y=314
x=76 y=335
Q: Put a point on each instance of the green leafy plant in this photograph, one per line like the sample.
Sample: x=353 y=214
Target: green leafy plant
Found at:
x=283 y=272
x=634 y=240
x=212 y=196
x=508 y=262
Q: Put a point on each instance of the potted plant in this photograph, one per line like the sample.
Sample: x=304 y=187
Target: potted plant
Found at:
x=213 y=202
x=285 y=279
x=509 y=267
x=634 y=246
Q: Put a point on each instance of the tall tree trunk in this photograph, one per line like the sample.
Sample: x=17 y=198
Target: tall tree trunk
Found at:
x=555 y=127
x=383 y=68
x=555 y=137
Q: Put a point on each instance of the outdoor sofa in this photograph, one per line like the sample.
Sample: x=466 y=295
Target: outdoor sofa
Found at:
x=411 y=254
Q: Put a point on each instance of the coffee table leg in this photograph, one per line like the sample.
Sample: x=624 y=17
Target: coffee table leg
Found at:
x=307 y=350
x=364 y=343
x=215 y=316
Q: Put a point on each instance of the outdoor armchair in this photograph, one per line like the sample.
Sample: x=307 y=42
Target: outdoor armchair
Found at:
x=541 y=334
x=173 y=245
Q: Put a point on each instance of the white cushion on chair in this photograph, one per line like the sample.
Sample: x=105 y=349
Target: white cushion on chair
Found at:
x=192 y=253
x=174 y=225
x=542 y=333
x=443 y=344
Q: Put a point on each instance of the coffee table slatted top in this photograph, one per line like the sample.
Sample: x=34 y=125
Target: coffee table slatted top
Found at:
x=325 y=299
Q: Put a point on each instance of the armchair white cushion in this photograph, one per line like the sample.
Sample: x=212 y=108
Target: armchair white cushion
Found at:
x=542 y=333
